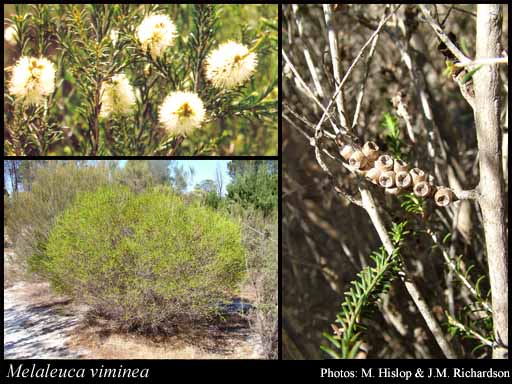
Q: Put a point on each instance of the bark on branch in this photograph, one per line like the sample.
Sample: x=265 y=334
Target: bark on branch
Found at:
x=425 y=311
x=491 y=200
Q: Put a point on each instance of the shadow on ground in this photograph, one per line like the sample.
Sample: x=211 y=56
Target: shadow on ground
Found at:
x=34 y=331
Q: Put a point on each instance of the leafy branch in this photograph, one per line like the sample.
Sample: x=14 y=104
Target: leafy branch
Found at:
x=392 y=134
x=466 y=328
x=371 y=283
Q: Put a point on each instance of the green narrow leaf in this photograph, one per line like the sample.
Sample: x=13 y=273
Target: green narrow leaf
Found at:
x=477 y=285
x=479 y=346
x=468 y=76
x=365 y=293
x=332 y=339
x=330 y=352
x=353 y=351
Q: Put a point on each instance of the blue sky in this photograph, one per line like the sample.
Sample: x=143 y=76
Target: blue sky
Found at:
x=204 y=169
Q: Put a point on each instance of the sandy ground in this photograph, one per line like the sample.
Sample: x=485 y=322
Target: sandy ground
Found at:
x=33 y=327
x=234 y=341
x=40 y=325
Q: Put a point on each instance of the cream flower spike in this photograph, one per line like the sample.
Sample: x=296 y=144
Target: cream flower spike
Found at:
x=117 y=96
x=10 y=35
x=182 y=112
x=230 y=65
x=33 y=79
x=156 y=33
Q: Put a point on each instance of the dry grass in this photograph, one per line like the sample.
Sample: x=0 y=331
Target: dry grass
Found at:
x=231 y=341
x=11 y=271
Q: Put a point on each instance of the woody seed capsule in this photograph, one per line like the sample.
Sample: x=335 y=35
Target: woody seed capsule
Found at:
x=387 y=179
x=443 y=197
x=399 y=165
x=422 y=189
x=371 y=151
x=373 y=174
x=384 y=163
x=346 y=151
x=417 y=175
x=403 y=179
x=357 y=160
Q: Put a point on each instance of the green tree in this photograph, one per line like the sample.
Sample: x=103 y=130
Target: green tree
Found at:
x=160 y=171
x=254 y=184
x=136 y=175
x=207 y=186
x=240 y=167
x=27 y=171
x=180 y=177
x=212 y=200
x=32 y=213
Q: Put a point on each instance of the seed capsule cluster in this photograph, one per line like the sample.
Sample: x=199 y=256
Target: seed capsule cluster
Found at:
x=394 y=175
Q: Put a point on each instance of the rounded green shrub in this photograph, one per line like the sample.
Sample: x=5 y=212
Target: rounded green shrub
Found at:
x=147 y=260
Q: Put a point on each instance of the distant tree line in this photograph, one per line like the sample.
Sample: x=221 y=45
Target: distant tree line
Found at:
x=253 y=182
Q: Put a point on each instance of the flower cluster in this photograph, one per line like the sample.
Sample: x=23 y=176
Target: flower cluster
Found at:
x=392 y=174
x=33 y=79
x=181 y=112
x=117 y=96
x=230 y=65
x=156 y=33
x=10 y=35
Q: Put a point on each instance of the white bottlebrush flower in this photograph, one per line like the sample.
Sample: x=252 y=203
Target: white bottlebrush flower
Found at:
x=32 y=79
x=114 y=36
x=10 y=35
x=117 y=96
x=230 y=65
x=181 y=112
x=156 y=33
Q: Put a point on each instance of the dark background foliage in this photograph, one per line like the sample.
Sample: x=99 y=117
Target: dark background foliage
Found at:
x=326 y=239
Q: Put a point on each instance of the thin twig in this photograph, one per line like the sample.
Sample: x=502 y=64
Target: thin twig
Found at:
x=471 y=194
x=349 y=70
x=335 y=58
x=453 y=267
x=447 y=15
x=483 y=61
x=464 y=11
x=307 y=89
x=312 y=142
x=301 y=131
x=444 y=38
x=418 y=80
x=376 y=219
x=401 y=111
x=465 y=329
x=307 y=123
x=360 y=96
x=266 y=235
x=307 y=55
